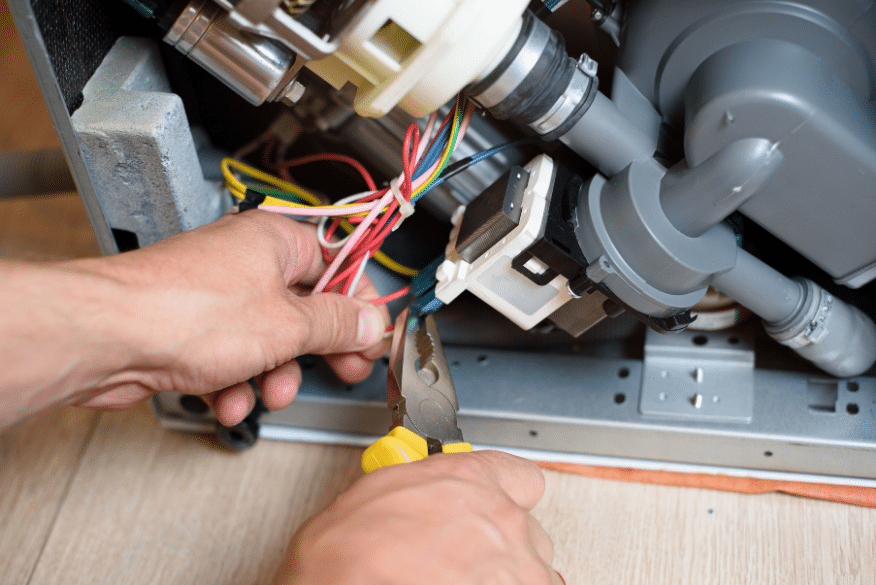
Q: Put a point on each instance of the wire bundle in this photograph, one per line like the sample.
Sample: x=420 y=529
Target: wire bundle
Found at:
x=371 y=216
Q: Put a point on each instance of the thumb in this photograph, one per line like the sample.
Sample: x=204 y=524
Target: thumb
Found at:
x=333 y=323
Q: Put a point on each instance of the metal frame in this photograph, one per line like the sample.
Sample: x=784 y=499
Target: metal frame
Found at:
x=25 y=20
x=787 y=425
x=591 y=408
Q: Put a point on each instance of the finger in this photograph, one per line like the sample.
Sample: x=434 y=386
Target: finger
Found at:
x=367 y=291
x=293 y=243
x=379 y=350
x=280 y=385
x=302 y=254
x=520 y=478
x=541 y=540
x=556 y=578
x=329 y=323
x=232 y=404
x=350 y=367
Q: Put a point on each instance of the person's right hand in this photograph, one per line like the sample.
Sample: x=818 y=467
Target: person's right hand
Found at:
x=451 y=519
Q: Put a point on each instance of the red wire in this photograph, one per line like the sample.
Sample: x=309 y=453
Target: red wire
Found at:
x=411 y=144
x=342 y=158
x=375 y=234
x=345 y=273
x=391 y=297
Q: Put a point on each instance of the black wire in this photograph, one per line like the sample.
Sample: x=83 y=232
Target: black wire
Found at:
x=464 y=163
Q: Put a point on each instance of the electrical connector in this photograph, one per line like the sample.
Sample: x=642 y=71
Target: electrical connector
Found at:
x=491 y=276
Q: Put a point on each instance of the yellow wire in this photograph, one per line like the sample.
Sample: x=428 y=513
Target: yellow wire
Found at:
x=238 y=189
x=385 y=260
x=393 y=265
x=445 y=154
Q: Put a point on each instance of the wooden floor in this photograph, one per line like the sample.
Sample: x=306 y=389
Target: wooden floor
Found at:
x=111 y=498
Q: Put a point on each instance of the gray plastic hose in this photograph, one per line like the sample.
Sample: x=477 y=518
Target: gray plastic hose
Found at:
x=833 y=335
x=38 y=172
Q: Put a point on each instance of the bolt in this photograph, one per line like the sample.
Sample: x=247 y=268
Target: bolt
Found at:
x=296 y=91
x=596 y=15
x=697 y=400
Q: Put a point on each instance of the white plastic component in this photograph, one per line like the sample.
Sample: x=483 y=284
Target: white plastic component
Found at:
x=491 y=276
x=418 y=54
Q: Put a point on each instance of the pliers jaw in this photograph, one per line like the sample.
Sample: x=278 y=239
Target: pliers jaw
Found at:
x=420 y=390
x=421 y=396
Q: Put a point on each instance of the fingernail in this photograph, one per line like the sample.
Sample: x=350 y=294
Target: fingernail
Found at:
x=372 y=325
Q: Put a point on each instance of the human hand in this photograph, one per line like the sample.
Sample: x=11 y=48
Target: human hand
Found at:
x=450 y=519
x=215 y=306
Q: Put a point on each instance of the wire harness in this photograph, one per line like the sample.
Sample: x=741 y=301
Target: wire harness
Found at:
x=367 y=217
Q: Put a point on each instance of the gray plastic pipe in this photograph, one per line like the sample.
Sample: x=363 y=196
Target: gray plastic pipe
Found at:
x=607 y=139
x=833 y=335
x=696 y=199
x=38 y=172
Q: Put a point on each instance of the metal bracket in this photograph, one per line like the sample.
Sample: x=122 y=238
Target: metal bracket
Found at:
x=700 y=376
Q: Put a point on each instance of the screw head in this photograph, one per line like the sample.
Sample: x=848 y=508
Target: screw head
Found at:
x=295 y=93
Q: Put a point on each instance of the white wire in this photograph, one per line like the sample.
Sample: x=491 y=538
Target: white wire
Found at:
x=359 y=272
x=320 y=227
x=323 y=222
x=348 y=247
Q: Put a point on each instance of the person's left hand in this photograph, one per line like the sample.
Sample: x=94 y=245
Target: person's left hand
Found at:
x=210 y=308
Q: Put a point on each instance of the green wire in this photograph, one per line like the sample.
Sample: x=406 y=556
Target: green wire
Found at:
x=277 y=193
x=454 y=136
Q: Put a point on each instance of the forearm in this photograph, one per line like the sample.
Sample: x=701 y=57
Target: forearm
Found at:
x=65 y=336
x=200 y=313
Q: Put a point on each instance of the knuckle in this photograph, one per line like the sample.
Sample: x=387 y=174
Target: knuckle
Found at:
x=513 y=519
x=503 y=576
x=535 y=572
x=464 y=466
x=515 y=572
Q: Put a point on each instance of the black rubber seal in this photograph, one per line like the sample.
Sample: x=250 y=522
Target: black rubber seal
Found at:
x=542 y=87
x=579 y=111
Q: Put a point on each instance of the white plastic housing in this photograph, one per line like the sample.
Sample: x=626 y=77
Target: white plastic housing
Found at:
x=418 y=54
x=491 y=276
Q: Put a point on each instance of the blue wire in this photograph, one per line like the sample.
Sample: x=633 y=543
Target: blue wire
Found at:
x=475 y=158
x=434 y=153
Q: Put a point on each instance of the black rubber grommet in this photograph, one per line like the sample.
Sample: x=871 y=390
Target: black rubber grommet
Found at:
x=239 y=437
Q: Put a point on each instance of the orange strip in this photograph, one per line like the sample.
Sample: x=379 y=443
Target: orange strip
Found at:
x=857 y=496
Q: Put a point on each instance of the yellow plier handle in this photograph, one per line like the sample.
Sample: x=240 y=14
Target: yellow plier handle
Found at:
x=402 y=445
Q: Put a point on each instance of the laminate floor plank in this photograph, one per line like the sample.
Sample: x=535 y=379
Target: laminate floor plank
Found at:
x=155 y=506
x=48 y=228
x=38 y=461
x=609 y=532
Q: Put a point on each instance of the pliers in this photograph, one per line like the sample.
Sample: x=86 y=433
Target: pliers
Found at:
x=421 y=396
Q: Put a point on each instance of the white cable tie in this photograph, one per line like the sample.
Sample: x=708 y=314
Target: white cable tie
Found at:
x=405 y=209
